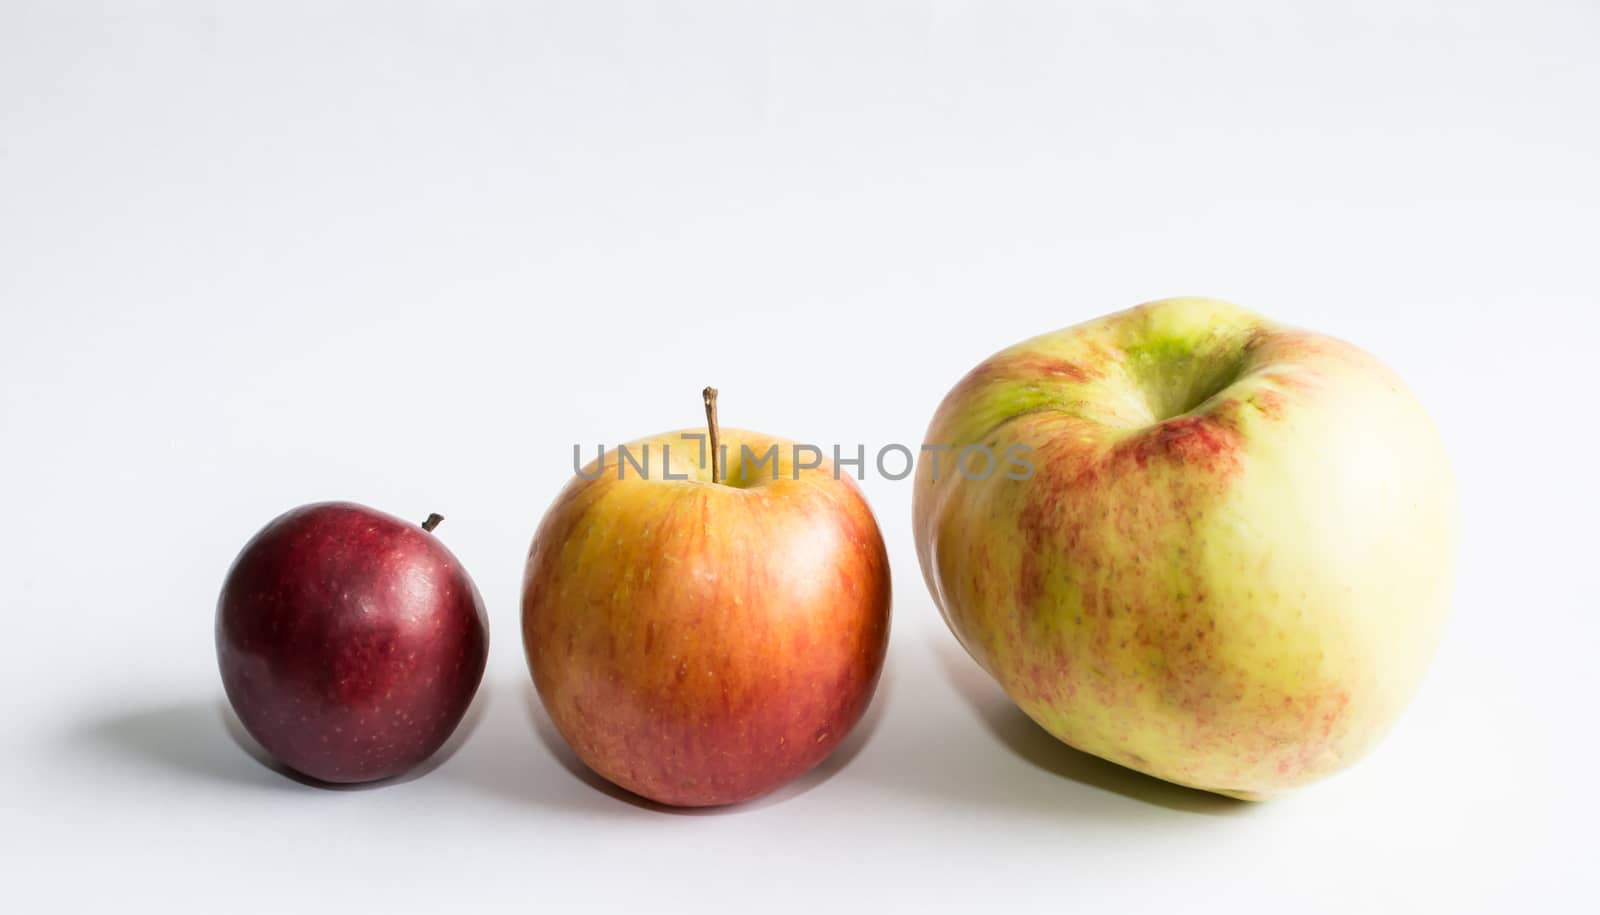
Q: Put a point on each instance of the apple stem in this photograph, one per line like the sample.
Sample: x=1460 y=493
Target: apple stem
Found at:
x=433 y=521
x=710 y=395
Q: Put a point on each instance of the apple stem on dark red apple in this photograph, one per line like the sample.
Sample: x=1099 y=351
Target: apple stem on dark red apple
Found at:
x=433 y=521
x=710 y=395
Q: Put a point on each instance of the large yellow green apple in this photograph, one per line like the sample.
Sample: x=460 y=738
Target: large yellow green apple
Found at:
x=1222 y=554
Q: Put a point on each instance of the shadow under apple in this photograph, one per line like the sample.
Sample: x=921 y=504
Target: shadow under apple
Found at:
x=511 y=759
x=1024 y=738
x=205 y=738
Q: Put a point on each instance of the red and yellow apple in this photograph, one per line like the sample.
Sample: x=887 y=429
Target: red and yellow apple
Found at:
x=702 y=635
x=1230 y=561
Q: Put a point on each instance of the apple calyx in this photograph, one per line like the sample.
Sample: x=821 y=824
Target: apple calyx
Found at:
x=710 y=396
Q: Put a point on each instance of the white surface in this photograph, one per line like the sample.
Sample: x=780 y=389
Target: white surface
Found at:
x=410 y=256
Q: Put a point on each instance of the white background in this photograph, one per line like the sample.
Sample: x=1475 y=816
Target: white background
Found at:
x=409 y=254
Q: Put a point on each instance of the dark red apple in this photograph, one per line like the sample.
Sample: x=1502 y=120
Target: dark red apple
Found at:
x=350 y=642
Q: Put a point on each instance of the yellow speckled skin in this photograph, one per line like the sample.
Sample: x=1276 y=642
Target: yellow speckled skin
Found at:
x=1232 y=562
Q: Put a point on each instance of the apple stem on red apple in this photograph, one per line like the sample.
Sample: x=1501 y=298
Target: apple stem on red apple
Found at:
x=710 y=395
x=433 y=521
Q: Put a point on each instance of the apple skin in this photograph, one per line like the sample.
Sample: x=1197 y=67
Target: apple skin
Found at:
x=350 y=642
x=701 y=643
x=1232 y=562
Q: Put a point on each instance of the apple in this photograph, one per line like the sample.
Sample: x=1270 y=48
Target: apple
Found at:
x=350 y=642
x=710 y=626
x=1229 y=560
